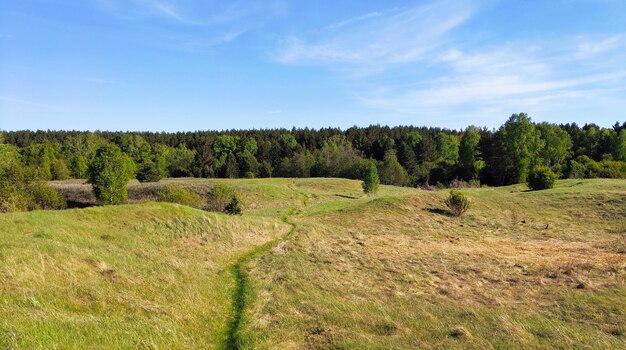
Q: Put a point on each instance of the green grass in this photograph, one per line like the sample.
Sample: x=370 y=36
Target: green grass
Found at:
x=314 y=263
x=152 y=275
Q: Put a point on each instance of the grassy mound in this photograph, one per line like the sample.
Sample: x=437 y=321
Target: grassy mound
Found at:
x=151 y=275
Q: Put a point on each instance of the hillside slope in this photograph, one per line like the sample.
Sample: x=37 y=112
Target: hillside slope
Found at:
x=521 y=269
x=393 y=271
x=133 y=276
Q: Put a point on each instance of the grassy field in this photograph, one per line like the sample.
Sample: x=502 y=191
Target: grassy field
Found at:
x=315 y=264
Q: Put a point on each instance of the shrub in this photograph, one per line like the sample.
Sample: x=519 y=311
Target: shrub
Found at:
x=610 y=169
x=180 y=195
x=20 y=188
x=219 y=197
x=457 y=202
x=577 y=170
x=541 y=178
x=45 y=197
x=13 y=181
x=233 y=208
x=371 y=180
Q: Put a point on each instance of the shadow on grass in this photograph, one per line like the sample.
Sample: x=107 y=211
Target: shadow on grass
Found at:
x=439 y=211
x=72 y=204
x=345 y=196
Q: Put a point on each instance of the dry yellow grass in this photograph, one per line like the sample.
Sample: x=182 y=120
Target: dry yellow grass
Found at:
x=520 y=270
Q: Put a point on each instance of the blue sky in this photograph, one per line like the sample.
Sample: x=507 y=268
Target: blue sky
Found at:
x=168 y=65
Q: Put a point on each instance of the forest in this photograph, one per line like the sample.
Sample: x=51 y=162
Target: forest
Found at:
x=403 y=155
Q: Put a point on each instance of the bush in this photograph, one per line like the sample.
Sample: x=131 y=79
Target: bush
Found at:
x=180 y=195
x=541 y=178
x=233 y=208
x=457 y=202
x=20 y=188
x=220 y=197
x=610 y=169
x=45 y=197
x=14 y=179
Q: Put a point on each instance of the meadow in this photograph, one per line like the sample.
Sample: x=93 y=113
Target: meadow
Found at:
x=316 y=264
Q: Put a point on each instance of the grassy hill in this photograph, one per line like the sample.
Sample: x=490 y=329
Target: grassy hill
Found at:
x=315 y=264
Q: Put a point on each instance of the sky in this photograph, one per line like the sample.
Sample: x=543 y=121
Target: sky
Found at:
x=183 y=65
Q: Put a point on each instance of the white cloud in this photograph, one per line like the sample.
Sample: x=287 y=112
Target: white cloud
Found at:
x=510 y=76
x=589 y=47
x=389 y=37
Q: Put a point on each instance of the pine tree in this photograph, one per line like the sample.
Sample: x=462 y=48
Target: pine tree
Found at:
x=371 y=180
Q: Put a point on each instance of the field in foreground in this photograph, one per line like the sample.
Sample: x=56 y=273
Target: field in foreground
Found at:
x=314 y=264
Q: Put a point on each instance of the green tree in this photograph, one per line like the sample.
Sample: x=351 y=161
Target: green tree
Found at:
x=299 y=165
x=180 y=161
x=391 y=171
x=231 y=168
x=371 y=181
x=556 y=146
x=428 y=157
x=619 y=145
x=520 y=144
x=469 y=155
x=108 y=174
x=59 y=170
x=448 y=148
x=336 y=157
x=152 y=163
x=78 y=166
x=40 y=157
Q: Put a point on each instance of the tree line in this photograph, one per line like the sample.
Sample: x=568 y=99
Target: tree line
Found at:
x=402 y=155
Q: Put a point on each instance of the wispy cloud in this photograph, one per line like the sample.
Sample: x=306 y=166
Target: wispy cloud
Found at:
x=20 y=101
x=513 y=75
x=589 y=47
x=388 y=37
x=190 y=26
x=354 y=20
x=384 y=54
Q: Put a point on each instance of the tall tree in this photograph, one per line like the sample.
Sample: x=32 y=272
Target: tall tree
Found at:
x=520 y=143
x=231 y=169
x=469 y=154
x=556 y=146
x=391 y=172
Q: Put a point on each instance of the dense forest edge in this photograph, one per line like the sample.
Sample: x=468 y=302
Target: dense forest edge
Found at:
x=403 y=155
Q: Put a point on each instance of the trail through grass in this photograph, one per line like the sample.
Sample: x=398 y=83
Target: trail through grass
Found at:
x=242 y=294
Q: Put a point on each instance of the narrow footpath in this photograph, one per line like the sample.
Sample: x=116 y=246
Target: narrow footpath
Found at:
x=242 y=292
